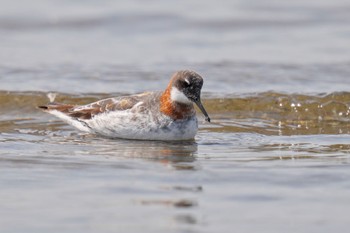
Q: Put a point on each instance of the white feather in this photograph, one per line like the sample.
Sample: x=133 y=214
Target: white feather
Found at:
x=179 y=96
x=138 y=125
x=72 y=121
x=135 y=123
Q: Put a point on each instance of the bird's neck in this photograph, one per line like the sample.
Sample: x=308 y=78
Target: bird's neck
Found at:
x=174 y=109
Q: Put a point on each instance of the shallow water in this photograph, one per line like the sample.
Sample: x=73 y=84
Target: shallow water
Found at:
x=274 y=159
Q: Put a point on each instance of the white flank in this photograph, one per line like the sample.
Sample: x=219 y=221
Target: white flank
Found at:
x=179 y=96
x=136 y=124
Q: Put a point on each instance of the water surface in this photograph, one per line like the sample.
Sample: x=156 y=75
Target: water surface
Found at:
x=274 y=159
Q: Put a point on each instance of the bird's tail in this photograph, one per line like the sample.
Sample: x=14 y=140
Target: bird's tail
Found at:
x=56 y=106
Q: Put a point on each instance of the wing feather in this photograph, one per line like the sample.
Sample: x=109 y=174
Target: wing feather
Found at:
x=88 y=111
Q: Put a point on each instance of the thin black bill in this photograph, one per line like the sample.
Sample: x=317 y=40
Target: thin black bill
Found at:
x=200 y=106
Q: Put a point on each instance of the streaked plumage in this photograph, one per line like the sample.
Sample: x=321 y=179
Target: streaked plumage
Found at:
x=167 y=115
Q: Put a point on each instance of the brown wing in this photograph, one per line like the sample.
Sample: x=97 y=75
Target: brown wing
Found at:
x=90 y=110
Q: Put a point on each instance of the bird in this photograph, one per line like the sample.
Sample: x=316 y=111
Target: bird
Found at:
x=167 y=115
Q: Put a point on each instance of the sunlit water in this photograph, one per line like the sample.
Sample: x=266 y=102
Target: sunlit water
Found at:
x=275 y=157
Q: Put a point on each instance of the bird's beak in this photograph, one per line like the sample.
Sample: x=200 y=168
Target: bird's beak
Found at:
x=200 y=106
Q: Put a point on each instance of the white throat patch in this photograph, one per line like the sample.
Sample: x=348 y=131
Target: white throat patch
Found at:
x=178 y=96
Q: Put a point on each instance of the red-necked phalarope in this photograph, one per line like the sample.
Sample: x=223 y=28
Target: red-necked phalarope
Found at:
x=167 y=115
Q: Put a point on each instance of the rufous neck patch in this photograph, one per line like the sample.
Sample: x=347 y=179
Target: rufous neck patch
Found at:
x=172 y=109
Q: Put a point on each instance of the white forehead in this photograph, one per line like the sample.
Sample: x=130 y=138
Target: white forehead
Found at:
x=188 y=82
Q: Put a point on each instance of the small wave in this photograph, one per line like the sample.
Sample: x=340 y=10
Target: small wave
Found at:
x=279 y=106
x=268 y=113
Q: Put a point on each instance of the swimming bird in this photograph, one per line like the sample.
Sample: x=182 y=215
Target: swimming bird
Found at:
x=162 y=115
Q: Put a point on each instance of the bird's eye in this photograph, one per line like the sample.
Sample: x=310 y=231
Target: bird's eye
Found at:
x=187 y=83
